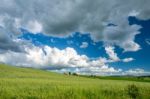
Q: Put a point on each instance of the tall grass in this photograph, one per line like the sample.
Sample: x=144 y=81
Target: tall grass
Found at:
x=22 y=83
x=133 y=91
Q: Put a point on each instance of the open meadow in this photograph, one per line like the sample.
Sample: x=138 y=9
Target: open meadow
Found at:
x=28 y=83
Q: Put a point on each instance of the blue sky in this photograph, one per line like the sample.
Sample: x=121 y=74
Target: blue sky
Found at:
x=93 y=50
x=89 y=37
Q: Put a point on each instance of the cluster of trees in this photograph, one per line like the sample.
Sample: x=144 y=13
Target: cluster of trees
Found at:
x=70 y=73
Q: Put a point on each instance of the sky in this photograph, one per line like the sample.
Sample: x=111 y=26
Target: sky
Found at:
x=97 y=37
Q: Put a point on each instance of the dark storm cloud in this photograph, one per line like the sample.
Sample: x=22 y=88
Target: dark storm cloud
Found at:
x=6 y=42
x=62 y=17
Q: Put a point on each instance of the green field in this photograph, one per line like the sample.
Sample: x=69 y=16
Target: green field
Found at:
x=27 y=83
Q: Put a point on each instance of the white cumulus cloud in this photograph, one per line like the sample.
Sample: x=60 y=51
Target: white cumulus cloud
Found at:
x=127 y=59
x=84 y=45
x=48 y=57
x=136 y=72
x=112 y=55
x=147 y=41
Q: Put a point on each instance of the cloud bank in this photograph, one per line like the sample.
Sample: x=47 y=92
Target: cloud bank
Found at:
x=60 y=18
x=54 y=58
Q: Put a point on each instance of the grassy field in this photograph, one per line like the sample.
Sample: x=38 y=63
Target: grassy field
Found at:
x=26 y=83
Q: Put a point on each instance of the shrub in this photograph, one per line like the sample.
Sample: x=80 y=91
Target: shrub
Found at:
x=133 y=91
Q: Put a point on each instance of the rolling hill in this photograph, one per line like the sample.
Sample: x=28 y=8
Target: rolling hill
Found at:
x=28 y=83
